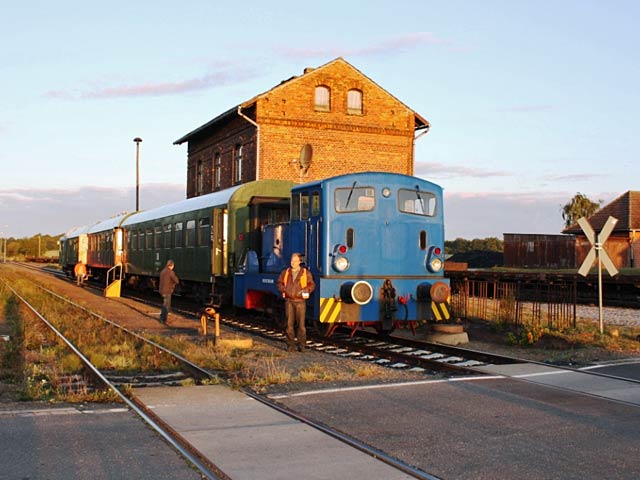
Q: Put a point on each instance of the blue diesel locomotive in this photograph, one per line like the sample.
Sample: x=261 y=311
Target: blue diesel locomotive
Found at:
x=373 y=241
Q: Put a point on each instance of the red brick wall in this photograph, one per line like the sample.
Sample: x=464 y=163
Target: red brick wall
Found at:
x=222 y=140
x=381 y=138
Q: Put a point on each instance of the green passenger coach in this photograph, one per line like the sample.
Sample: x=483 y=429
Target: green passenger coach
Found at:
x=205 y=236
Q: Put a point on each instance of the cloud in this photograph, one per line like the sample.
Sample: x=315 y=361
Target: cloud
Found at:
x=574 y=177
x=385 y=46
x=440 y=170
x=526 y=108
x=487 y=214
x=218 y=78
x=54 y=211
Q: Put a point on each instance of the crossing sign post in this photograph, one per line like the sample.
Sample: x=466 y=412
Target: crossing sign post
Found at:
x=599 y=254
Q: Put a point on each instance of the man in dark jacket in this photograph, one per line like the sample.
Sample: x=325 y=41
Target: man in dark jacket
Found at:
x=168 y=282
x=296 y=284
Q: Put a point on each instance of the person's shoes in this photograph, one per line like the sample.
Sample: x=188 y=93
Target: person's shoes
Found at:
x=301 y=348
x=291 y=348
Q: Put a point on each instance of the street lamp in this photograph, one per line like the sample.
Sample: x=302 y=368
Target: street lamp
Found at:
x=137 y=140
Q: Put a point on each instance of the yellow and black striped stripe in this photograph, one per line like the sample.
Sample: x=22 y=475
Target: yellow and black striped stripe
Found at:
x=440 y=311
x=329 y=310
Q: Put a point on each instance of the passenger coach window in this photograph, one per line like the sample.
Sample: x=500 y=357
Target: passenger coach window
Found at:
x=204 y=232
x=417 y=202
x=354 y=199
x=295 y=206
x=178 y=235
x=157 y=237
x=191 y=233
x=148 y=242
x=167 y=235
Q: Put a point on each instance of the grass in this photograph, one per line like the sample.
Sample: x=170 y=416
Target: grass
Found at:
x=40 y=363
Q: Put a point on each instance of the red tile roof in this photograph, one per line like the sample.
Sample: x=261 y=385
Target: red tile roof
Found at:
x=626 y=208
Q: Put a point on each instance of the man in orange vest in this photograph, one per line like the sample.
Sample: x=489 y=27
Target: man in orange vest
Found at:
x=296 y=284
x=80 y=271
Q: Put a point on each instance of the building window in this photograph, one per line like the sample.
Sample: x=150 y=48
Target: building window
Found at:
x=238 y=164
x=354 y=102
x=217 y=169
x=323 y=99
x=199 y=179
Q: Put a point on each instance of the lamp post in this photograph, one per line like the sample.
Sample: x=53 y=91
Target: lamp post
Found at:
x=137 y=140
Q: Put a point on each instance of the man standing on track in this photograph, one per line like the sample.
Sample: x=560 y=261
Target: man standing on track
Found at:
x=168 y=282
x=296 y=284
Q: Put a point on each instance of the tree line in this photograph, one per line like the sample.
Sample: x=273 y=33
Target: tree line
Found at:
x=29 y=247
x=578 y=206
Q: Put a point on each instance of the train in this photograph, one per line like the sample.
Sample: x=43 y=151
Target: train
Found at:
x=373 y=241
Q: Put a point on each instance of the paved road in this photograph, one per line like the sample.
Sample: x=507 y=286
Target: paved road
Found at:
x=65 y=443
x=497 y=428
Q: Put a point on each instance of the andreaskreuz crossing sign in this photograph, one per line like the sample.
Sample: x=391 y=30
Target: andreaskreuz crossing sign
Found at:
x=599 y=254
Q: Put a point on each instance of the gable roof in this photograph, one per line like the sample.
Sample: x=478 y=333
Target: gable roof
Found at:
x=626 y=208
x=420 y=122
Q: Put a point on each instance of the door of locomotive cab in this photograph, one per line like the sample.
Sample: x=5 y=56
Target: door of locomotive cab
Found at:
x=313 y=242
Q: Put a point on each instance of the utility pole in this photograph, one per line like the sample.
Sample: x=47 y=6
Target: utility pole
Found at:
x=137 y=140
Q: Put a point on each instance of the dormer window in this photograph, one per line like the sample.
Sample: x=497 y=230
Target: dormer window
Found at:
x=323 y=99
x=354 y=102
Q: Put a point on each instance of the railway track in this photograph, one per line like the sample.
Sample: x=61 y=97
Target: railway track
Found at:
x=394 y=352
x=203 y=465
x=121 y=385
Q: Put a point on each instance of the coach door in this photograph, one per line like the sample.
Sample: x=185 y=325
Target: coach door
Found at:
x=219 y=242
x=118 y=246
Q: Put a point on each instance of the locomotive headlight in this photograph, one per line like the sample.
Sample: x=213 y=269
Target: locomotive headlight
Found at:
x=434 y=262
x=435 y=265
x=340 y=264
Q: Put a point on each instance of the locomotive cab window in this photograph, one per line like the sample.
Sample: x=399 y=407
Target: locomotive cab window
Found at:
x=417 y=202
x=304 y=207
x=295 y=206
x=315 y=204
x=354 y=199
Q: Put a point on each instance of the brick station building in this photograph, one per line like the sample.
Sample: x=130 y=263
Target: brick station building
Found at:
x=343 y=121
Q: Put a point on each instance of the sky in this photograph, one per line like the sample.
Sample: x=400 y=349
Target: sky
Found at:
x=530 y=102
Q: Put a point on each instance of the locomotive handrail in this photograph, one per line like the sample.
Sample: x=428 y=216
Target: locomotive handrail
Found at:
x=113 y=269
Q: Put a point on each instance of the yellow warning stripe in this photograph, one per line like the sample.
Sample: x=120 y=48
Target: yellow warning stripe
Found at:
x=440 y=311
x=329 y=310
